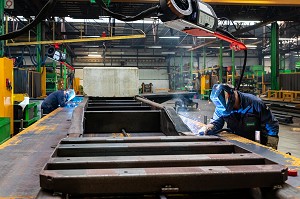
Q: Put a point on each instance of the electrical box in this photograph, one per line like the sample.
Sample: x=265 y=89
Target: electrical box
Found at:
x=6 y=90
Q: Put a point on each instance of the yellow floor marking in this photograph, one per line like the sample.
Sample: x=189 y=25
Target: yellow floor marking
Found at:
x=16 y=140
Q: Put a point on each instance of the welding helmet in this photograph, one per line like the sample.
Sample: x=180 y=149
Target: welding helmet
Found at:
x=222 y=95
x=70 y=94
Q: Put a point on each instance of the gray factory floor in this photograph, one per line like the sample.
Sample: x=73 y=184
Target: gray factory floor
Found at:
x=289 y=141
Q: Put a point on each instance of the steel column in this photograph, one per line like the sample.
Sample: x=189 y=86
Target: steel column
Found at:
x=274 y=56
x=65 y=72
x=39 y=49
x=181 y=71
x=221 y=63
x=204 y=57
x=232 y=67
x=191 y=66
x=2 y=27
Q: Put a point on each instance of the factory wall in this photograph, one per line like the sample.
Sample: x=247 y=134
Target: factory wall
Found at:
x=158 y=77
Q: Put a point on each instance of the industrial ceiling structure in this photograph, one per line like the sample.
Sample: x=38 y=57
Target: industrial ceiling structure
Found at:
x=75 y=19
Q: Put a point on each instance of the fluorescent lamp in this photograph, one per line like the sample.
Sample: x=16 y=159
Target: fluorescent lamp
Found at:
x=94 y=52
x=206 y=37
x=93 y=55
x=90 y=46
x=153 y=47
x=289 y=39
x=168 y=53
x=184 y=46
x=251 y=46
x=170 y=37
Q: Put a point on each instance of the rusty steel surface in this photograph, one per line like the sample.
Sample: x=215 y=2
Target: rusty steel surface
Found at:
x=160 y=148
x=98 y=167
x=131 y=159
x=62 y=163
x=23 y=156
x=140 y=140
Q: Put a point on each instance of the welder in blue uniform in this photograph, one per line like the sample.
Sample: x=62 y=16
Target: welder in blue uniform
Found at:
x=244 y=114
x=57 y=99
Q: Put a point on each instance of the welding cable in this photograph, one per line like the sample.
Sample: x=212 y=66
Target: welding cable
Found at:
x=243 y=70
x=141 y=15
x=45 y=11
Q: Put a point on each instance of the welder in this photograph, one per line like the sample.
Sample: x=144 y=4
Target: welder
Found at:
x=57 y=99
x=245 y=115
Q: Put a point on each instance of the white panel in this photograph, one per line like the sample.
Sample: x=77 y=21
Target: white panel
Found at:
x=79 y=73
x=110 y=81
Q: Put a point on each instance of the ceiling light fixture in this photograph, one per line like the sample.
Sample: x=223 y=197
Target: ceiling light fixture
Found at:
x=251 y=46
x=184 y=46
x=94 y=55
x=154 y=47
x=168 y=53
x=90 y=46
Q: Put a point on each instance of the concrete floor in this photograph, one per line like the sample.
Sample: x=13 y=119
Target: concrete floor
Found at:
x=289 y=141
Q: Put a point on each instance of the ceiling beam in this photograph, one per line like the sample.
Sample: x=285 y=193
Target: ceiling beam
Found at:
x=223 y=2
x=255 y=2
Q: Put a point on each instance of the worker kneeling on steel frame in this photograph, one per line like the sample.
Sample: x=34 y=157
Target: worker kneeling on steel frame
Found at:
x=244 y=114
x=57 y=99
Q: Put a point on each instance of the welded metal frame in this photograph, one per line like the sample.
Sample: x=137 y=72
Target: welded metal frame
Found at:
x=112 y=166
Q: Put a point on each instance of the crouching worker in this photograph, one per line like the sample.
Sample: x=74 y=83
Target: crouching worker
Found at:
x=57 y=99
x=244 y=114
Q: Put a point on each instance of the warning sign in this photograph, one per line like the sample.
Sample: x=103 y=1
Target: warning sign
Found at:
x=9 y=4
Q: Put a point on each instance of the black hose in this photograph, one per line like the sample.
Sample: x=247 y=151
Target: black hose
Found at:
x=46 y=10
x=243 y=70
x=121 y=17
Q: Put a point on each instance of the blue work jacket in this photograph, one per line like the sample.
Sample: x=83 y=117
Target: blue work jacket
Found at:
x=252 y=111
x=54 y=100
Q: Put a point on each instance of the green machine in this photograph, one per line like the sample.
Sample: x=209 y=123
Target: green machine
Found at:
x=24 y=118
x=4 y=129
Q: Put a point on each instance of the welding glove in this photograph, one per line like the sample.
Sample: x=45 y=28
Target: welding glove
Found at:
x=272 y=141
x=205 y=129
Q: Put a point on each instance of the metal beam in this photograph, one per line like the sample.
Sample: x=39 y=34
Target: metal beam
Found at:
x=255 y=2
x=139 y=36
x=274 y=56
x=1 y=27
x=59 y=163
x=221 y=2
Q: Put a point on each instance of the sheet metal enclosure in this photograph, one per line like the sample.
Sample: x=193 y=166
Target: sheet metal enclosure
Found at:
x=111 y=81
x=147 y=151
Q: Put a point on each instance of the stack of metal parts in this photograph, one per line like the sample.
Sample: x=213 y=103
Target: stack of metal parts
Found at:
x=136 y=165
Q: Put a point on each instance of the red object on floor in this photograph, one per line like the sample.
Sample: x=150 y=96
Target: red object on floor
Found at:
x=292 y=172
